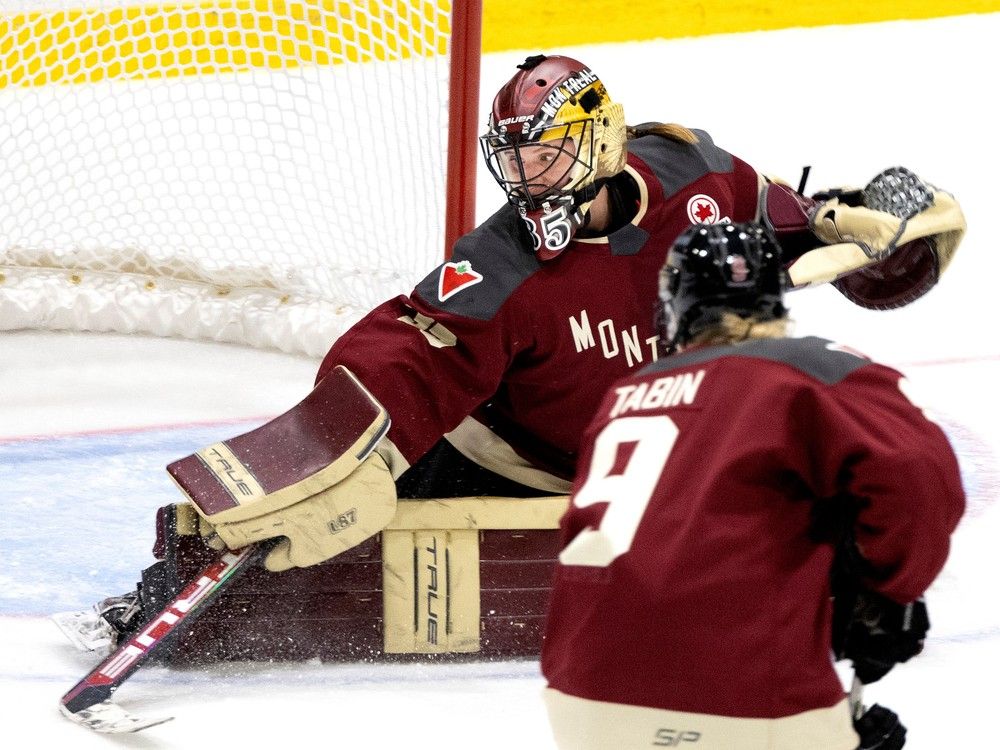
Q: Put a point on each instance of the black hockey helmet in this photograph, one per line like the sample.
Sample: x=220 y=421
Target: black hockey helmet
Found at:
x=712 y=269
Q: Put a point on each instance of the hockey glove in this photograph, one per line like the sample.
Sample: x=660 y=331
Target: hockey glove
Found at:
x=894 y=208
x=880 y=729
x=308 y=475
x=880 y=634
x=319 y=527
x=864 y=227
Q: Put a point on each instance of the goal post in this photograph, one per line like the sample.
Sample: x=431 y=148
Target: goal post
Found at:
x=466 y=50
x=260 y=172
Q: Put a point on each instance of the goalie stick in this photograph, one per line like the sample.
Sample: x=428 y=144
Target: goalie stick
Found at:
x=878 y=727
x=88 y=703
x=856 y=699
x=282 y=468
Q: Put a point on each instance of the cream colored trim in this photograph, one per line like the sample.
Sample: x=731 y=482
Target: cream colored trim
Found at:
x=457 y=513
x=436 y=334
x=643 y=207
x=826 y=263
x=430 y=590
x=392 y=456
x=762 y=183
x=643 y=195
x=186 y=519
x=480 y=513
x=581 y=724
x=482 y=446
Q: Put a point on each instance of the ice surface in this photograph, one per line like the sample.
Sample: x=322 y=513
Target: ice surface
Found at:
x=88 y=422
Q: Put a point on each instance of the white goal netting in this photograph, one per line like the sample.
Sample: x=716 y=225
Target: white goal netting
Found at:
x=251 y=171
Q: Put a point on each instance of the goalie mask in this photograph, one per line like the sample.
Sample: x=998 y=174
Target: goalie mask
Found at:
x=554 y=138
x=714 y=269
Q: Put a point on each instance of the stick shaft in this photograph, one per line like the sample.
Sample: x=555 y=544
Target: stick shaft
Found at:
x=181 y=611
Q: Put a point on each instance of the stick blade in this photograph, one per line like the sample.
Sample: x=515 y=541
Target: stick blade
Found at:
x=109 y=718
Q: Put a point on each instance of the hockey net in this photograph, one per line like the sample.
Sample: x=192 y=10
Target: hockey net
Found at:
x=252 y=171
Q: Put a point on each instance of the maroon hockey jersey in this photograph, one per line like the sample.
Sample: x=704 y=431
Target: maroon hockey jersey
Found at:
x=691 y=577
x=529 y=347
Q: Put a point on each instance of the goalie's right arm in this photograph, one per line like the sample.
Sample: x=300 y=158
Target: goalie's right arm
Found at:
x=310 y=475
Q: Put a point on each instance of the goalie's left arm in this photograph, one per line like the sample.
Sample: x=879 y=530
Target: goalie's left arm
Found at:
x=882 y=246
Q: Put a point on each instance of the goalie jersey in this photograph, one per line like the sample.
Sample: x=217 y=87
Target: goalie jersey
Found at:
x=698 y=546
x=509 y=356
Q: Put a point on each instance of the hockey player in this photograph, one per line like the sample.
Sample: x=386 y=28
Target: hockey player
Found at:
x=490 y=368
x=692 y=599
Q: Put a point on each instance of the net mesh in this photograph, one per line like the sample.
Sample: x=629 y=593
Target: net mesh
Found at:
x=260 y=172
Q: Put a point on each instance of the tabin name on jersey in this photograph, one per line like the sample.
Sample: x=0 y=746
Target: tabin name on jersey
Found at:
x=662 y=392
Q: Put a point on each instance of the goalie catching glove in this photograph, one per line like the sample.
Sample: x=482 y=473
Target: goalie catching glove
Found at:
x=309 y=475
x=886 y=244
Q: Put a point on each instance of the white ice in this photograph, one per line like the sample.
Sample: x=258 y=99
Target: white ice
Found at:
x=89 y=421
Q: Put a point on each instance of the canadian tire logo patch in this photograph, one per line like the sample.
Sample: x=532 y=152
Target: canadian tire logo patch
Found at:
x=455 y=277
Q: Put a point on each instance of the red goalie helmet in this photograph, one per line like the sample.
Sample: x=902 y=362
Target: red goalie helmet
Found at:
x=554 y=137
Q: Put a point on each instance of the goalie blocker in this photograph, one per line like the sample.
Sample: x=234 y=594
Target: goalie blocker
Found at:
x=309 y=476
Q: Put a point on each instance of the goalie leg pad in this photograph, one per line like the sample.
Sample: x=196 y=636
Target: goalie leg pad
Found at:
x=431 y=591
x=339 y=610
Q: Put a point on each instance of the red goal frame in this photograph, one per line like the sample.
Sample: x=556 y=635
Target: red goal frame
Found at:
x=463 y=105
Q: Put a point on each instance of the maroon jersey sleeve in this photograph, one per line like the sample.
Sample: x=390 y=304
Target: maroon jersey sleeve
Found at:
x=901 y=471
x=432 y=357
x=427 y=389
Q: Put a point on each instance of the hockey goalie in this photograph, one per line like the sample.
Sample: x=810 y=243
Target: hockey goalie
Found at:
x=435 y=532
x=355 y=574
